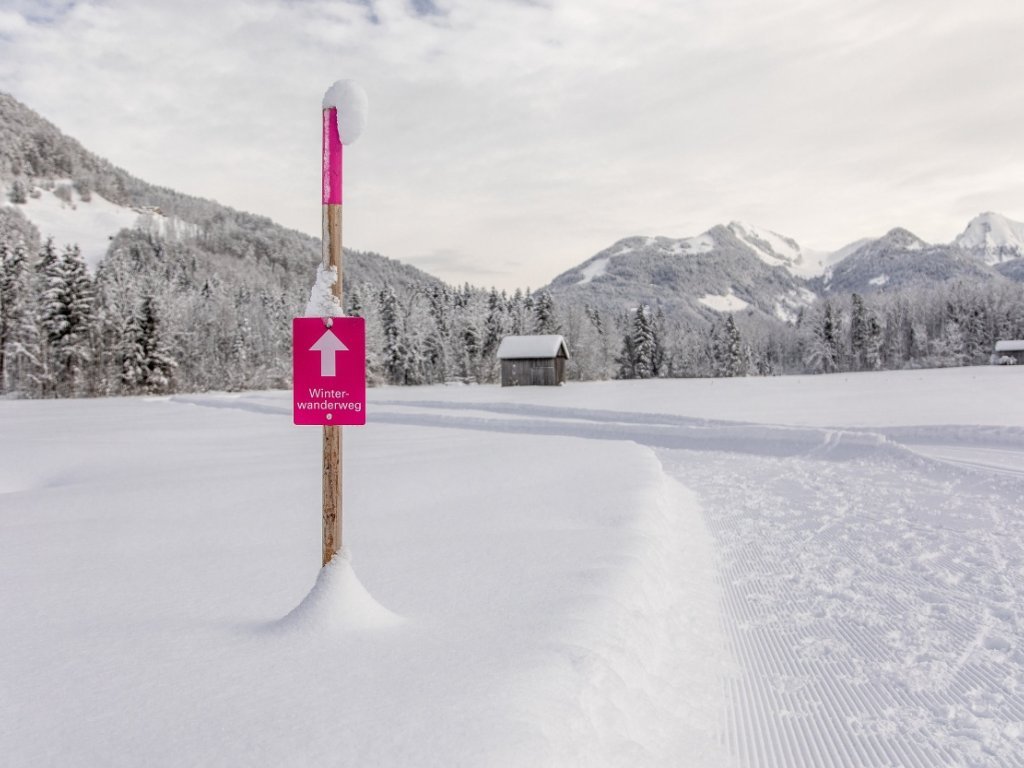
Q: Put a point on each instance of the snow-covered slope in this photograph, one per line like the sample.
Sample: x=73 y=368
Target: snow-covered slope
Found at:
x=778 y=250
x=92 y=224
x=50 y=168
x=993 y=238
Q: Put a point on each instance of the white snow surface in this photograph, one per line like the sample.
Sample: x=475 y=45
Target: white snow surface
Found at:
x=595 y=268
x=728 y=302
x=157 y=564
x=93 y=224
x=792 y=571
x=880 y=280
x=349 y=98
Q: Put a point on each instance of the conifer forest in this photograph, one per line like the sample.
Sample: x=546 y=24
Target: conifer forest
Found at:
x=156 y=316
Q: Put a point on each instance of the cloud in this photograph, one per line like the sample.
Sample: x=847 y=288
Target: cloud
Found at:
x=476 y=266
x=527 y=136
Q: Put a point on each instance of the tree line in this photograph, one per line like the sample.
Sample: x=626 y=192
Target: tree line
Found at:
x=151 y=320
x=158 y=317
x=927 y=326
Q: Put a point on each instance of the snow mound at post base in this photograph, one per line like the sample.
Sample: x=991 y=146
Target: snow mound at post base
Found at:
x=337 y=602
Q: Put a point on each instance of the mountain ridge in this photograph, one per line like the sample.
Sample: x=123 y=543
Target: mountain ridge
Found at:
x=724 y=259
x=36 y=157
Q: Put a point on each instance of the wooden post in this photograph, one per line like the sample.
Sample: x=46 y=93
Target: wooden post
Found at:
x=332 y=259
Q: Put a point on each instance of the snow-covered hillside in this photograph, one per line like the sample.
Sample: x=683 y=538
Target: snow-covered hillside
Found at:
x=778 y=250
x=798 y=571
x=92 y=224
x=722 y=270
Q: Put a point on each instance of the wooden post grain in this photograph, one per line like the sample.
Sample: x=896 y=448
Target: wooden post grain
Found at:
x=332 y=481
x=332 y=492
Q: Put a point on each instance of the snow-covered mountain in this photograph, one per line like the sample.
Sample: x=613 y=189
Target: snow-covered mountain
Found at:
x=899 y=259
x=726 y=269
x=992 y=238
x=742 y=267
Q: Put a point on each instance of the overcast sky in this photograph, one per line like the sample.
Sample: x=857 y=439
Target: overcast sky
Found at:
x=508 y=141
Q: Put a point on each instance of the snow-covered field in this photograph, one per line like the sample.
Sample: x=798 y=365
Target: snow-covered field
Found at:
x=799 y=571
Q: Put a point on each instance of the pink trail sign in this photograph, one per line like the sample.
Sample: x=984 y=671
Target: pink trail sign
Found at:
x=329 y=370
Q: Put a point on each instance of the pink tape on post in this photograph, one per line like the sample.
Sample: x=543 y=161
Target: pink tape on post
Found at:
x=332 y=158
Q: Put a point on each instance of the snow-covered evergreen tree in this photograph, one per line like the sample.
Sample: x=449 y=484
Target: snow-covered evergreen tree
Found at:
x=516 y=311
x=627 y=358
x=729 y=356
x=354 y=307
x=396 y=356
x=642 y=355
x=544 y=320
x=494 y=330
x=469 y=337
x=435 y=357
x=27 y=363
x=132 y=355
x=9 y=269
x=821 y=353
x=18 y=334
x=603 y=352
x=644 y=344
x=950 y=348
x=147 y=365
x=19 y=192
x=157 y=363
x=858 y=333
x=67 y=315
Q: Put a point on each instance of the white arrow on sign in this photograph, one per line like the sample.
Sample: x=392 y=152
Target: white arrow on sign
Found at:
x=327 y=345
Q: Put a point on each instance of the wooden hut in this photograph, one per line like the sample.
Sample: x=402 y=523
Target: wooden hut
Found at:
x=1009 y=352
x=527 y=360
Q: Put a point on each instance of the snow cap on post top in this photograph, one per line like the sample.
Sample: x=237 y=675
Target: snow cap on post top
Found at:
x=349 y=99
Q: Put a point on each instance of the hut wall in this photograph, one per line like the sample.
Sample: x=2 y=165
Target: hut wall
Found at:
x=559 y=370
x=537 y=371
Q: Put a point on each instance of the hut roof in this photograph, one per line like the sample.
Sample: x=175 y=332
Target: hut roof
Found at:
x=519 y=347
x=1010 y=345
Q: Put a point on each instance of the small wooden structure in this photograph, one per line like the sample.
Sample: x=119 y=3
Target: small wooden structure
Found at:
x=533 y=360
x=1009 y=352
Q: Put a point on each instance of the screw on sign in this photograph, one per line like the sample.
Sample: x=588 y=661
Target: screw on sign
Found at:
x=329 y=370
